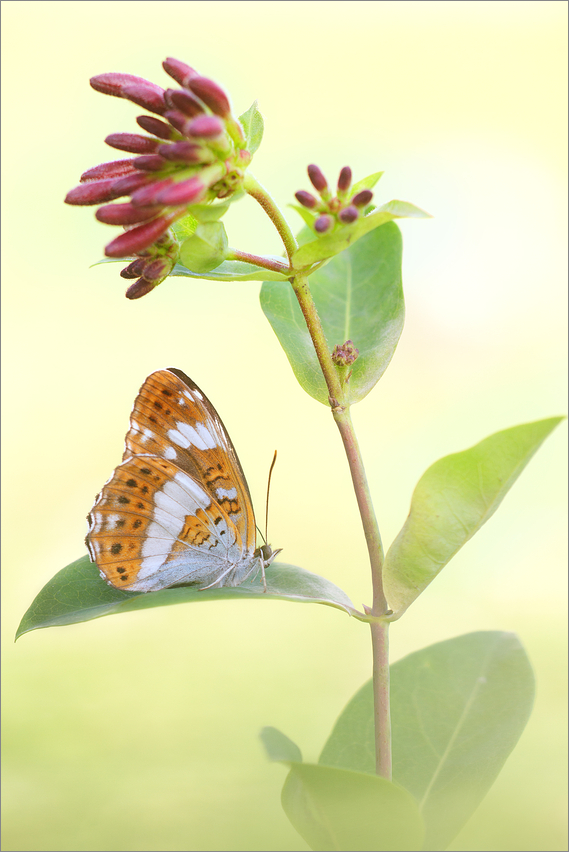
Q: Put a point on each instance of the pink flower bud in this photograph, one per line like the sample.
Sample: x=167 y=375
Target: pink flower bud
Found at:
x=92 y=192
x=179 y=71
x=131 y=183
x=149 y=163
x=345 y=354
x=150 y=97
x=176 y=118
x=125 y=214
x=182 y=152
x=211 y=94
x=204 y=127
x=139 y=288
x=345 y=179
x=306 y=199
x=134 y=269
x=132 y=142
x=182 y=100
x=114 y=82
x=155 y=126
x=157 y=269
x=348 y=214
x=184 y=192
x=317 y=179
x=139 y=238
x=117 y=168
x=147 y=195
x=323 y=224
x=362 y=198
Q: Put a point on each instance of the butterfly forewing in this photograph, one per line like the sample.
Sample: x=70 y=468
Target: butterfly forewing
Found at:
x=174 y=419
x=178 y=509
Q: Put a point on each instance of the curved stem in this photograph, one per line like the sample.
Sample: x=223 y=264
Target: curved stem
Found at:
x=256 y=260
x=253 y=188
x=365 y=505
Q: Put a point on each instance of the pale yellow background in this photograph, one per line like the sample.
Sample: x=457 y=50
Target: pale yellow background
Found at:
x=140 y=732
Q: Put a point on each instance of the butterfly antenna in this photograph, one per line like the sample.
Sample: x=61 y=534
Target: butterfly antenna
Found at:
x=268 y=490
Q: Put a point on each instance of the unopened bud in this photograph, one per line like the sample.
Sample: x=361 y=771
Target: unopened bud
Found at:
x=177 y=119
x=306 y=199
x=348 y=214
x=345 y=355
x=125 y=214
x=146 y=195
x=156 y=127
x=211 y=94
x=132 y=142
x=184 y=192
x=158 y=269
x=117 y=168
x=150 y=97
x=149 y=163
x=345 y=179
x=179 y=71
x=140 y=288
x=362 y=198
x=317 y=178
x=323 y=224
x=204 y=127
x=131 y=183
x=134 y=269
x=180 y=99
x=114 y=82
x=183 y=152
x=138 y=239
x=93 y=192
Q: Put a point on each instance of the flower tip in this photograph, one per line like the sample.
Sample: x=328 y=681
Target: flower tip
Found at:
x=140 y=288
x=306 y=199
x=348 y=214
x=345 y=179
x=323 y=224
x=317 y=178
x=179 y=71
x=211 y=94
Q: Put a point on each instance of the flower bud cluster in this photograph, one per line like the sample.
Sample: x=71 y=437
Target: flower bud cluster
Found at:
x=345 y=354
x=330 y=210
x=196 y=152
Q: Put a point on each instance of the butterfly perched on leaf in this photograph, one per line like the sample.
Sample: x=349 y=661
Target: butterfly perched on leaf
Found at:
x=177 y=510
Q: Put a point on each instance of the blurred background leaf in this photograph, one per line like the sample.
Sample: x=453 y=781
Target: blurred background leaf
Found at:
x=458 y=709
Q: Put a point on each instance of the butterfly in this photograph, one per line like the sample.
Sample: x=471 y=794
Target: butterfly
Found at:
x=177 y=510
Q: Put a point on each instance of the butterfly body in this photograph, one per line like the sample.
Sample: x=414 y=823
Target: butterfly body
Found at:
x=178 y=509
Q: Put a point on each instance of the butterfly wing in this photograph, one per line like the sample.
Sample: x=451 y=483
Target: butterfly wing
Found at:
x=178 y=509
x=172 y=418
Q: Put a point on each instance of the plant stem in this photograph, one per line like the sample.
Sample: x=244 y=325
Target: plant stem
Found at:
x=382 y=715
x=341 y=414
x=252 y=186
x=365 y=505
x=264 y=262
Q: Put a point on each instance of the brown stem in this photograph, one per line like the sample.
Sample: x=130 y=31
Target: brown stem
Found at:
x=264 y=262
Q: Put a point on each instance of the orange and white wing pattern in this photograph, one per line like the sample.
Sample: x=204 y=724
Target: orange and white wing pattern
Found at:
x=178 y=509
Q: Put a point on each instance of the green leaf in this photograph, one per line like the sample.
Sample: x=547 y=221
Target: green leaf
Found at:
x=336 y=809
x=307 y=215
x=253 y=125
x=365 y=183
x=359 y=297
x=206 y=248
x=458 y=709
x=452 y=500
x=78 y=593
x=330 y=244
x=279 y=747
x=233 y=270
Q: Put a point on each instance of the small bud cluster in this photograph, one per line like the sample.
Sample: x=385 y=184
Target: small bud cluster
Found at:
x=196 y=153
x=345 y=354
x=330 y=210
